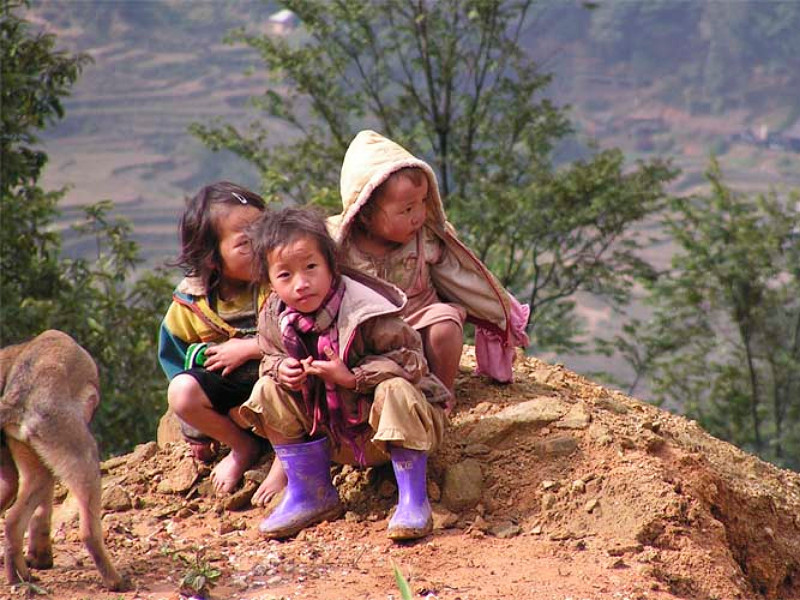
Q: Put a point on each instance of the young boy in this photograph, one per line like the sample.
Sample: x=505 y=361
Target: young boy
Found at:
x=341 y=371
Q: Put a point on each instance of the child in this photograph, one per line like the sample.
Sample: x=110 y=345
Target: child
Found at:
x=393 y=226
x=340 y=369
x=214 y=312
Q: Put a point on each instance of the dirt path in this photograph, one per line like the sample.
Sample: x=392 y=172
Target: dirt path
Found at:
x=549 y=488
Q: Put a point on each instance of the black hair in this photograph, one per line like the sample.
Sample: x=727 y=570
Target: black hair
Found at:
x=416 y=175
x=280 y=228
x=199 y=254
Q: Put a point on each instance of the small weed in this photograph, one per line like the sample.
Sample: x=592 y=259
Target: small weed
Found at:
x=402 y=584
x=28 y=589
x=200 y=576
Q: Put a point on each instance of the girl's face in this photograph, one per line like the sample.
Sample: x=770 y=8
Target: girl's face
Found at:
x=234 y=245
x=299 y=274
x=400 y=210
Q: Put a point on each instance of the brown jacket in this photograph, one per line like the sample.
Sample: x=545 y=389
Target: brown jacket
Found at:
x=460 y=277
x=374 y=342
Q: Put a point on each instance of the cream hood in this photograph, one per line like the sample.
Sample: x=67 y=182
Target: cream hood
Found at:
x=369 y=160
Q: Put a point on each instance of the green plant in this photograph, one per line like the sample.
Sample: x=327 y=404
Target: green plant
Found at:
x=453 y=82
x=200 y=576
x=722 y=339
x=28 y=589
x=402 y=584
x=92 y=298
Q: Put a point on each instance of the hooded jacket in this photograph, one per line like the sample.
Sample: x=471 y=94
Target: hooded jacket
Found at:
x=374 y=342
x=462 y=277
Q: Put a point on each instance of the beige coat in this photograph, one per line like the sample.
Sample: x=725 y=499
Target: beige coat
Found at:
x=461 y=278
x=374 y=342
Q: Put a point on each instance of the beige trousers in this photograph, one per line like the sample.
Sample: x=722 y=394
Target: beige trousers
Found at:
x=400 y=414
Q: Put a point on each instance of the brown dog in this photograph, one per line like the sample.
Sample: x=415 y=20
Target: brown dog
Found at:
x=49 y=390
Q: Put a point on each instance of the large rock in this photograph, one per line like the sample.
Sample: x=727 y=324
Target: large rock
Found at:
x=169 y=429
x=539 y=412
x=463 y=485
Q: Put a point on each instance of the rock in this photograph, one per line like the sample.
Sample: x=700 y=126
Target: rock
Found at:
x=578 y=486
x=66 y=513
x=591 y=505
x=206 y=488
x=610 y=404
x=434 y=491
x=113 y=462
x=115 y=498
x=482 y=408
x=143 y=452
x=387 y=489
x=256 y=475
x=479 y=524
x=561 y=445
x=576 y=418
x=443 y=518
x=230 y=526
x=540 y=411
x=181 y=479
x=652 y=441
x=240 y=499
x=653 y=425
x=169 y=430
x=477 y=450
x=463 y=485
x=621 y=549
x=505 y=530
x=548 y=501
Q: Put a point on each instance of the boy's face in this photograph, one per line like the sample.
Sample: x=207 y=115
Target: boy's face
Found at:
x=400 y=210
x=299 y=274
x=235 y=249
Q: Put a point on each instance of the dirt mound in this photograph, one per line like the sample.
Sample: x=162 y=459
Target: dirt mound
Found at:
x=551 y=487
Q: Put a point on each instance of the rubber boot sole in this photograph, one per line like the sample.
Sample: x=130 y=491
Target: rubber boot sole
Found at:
x=400 y=534
x=290 y=530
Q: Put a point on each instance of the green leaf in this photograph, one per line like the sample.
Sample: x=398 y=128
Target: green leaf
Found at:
x=402 y=584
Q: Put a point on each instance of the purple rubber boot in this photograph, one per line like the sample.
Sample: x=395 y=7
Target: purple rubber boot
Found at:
x=413 y=518
x=309 y=497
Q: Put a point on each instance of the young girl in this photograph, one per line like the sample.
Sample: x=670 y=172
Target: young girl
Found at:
x=340 y=371
x=393 y=226
x=207 y=343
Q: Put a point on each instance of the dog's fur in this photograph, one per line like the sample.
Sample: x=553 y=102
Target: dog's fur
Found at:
x=49 y=390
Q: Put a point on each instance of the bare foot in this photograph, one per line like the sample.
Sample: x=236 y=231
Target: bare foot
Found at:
x=227 y=474
x=272 y=484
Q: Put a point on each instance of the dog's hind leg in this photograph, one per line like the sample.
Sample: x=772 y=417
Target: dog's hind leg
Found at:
x=75 y=462
x=8 y=476
x=35 y=487
x=40 y=545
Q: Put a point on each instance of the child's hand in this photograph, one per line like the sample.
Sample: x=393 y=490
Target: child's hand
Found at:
x=332 y=370
x=291 y=373
x=231 y=355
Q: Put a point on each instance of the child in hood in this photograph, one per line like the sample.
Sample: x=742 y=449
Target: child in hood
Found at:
x=393 y=226
x=341 y=372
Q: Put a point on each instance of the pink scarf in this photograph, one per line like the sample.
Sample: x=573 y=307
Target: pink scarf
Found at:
x=322 y=323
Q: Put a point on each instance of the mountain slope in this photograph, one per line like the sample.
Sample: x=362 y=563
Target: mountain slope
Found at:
x=551 y=487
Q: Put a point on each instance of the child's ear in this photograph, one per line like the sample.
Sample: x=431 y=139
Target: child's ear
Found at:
x=211 y=264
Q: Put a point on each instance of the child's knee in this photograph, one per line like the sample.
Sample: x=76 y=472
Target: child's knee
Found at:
x=271 y=409
x=446 y=334
x=182 y=393
x=399 y=397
